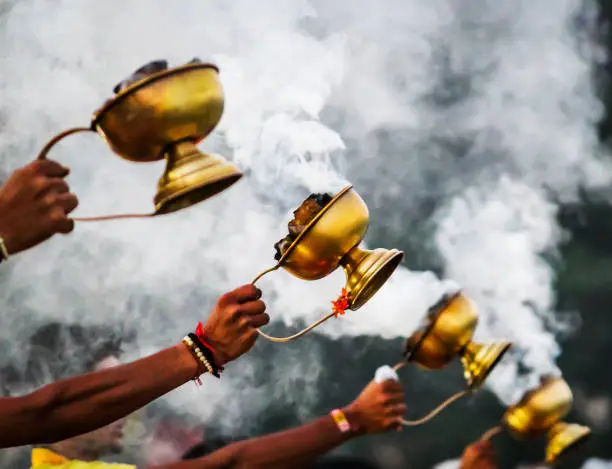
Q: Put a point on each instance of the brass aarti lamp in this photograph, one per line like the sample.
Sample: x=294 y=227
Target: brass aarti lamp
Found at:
x=540 y=413
x=330 y=240
x=446 y=334
x=163 y=113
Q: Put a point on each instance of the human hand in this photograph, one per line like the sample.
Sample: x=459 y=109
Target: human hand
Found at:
x=479 y=455
x=34 y=205
x=378 y=408
x=231 y=326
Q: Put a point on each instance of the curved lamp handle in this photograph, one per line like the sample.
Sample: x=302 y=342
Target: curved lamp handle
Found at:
x=434 y=412
x=490 y=433
x=61 y=136
x=53 y=141
x=281 y=340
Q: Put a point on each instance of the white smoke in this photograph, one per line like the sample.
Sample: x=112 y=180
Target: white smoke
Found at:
x=450 y=464
x=593 y=463
x=508 y=226
x=484 y=107
x=596 y=463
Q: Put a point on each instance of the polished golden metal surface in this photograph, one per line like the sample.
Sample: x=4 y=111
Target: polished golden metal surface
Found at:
x=447 y=334
x=330 y=235
x=191 y=177
x=540 y=411
x=179 y=104
x=563 y=437
x=164 y=115
x=367 y=271
x=448 y=328
x=480 y=359
x=331 y=240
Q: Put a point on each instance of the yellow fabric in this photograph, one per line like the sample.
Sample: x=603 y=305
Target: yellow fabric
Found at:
x=46 y=459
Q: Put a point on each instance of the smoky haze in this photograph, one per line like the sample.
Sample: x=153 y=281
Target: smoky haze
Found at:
x=468 y=119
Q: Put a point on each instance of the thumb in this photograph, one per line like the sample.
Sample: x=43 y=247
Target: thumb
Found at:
x=52 y=168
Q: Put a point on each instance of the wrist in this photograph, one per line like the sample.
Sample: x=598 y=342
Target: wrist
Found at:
x=186 y=361
x=204 y=350
x=220 y=358
x=354 y=418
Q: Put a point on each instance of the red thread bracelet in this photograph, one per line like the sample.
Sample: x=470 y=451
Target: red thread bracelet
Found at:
x=201 y=333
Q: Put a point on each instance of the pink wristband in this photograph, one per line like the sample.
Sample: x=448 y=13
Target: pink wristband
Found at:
x=341 y=421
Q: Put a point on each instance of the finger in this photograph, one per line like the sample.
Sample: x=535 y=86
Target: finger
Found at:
x=68 y=202
x=50 y=168
x=240 y=295
x=252 y=308
x=487 y=452
x=398 y=422
x=487 y=444
x=250 y=340
x=390 y=386
x=481 y=446
x=57 y=185
x=259 y=320
x=396 y=410
x=394 y=399
x=64 y=225
x=392 y=423
x=468 y=453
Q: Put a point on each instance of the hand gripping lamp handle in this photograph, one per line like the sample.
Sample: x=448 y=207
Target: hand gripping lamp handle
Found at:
x=55 y=140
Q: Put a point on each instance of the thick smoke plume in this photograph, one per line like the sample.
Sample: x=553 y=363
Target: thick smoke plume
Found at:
x=471 y=118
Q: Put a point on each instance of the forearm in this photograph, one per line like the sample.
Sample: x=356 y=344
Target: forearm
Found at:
x=290 y=449
x=79 y=405
x=293 y=448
